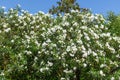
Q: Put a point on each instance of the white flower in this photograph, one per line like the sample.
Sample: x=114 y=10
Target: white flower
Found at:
x=87 y=37
x=44 y=44
x=7 y=30
x=119 y=78
x=41 y=12
x=92 y=17
x=105 y=35
x=108 y=34
x=12 y=41
x=67 y=71
x=41 y=70
x=74 y=11
x=39 y=52
x=112 y=78
x=28 y=52
x=5 y=25
x=84 y=21
x=26 y=36
x=96 y=26
x=20 y=55
x=36 y=58
x=107 y=45
x=89 y=51
x=48 y=41
x=101 y=73
x=112 y=49
x=37 y=43
x=44 y=69
x=118 y=56
x=66 y=24
x=79 y=41
x=94 y=54
x=53 y=45
x=72 y=55
x=68 y=48
x=99 y=44
x=84 y=27
x=85 y=65
x=85 y=54
x=102 y=26
x=37 y=26
x=53 y=29
x=74 y=48
x=64 y=31
x=83 y=48
x=63 y=36
x=3 y=7
x=32 y=32
x=62 y=78
x=2 y=74
x=74 y=68
x=11 y=9
x=57 y=27
x=102 y=65
x=78 y=61
x=50 y=63
x=96 y=36
x=19 y=5
x=75 y=24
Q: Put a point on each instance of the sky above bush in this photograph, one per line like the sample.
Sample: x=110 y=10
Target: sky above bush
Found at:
x=97 y=6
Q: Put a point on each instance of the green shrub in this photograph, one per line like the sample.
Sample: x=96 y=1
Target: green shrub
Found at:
x=114 y=25
x=41 y=47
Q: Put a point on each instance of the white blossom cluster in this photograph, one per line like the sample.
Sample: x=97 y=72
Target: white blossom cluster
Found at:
x=40 y=46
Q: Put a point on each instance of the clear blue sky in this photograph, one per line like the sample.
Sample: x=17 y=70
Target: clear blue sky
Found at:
x=33 y=6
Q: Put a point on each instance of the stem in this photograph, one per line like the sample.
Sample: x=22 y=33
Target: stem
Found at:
x=77 y=73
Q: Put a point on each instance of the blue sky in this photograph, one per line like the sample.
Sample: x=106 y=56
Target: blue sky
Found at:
x=33 y=6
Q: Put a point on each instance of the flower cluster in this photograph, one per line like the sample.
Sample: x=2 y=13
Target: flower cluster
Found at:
x=42 y=47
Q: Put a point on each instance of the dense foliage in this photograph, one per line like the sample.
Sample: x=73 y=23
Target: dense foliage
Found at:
x=65 y=6
x=74 y=46
x=114 y=26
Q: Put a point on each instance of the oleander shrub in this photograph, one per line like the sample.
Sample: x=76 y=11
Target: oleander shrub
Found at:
x=40 y=46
